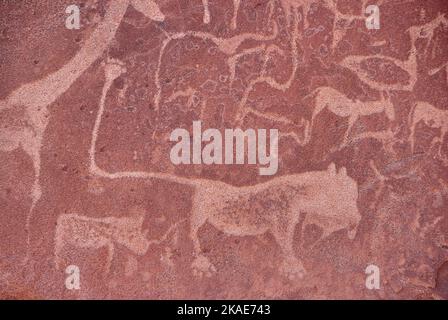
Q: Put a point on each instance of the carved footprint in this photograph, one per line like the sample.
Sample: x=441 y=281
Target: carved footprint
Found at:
x=114 y=68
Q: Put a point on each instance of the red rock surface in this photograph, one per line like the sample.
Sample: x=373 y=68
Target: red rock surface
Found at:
x=86 y=178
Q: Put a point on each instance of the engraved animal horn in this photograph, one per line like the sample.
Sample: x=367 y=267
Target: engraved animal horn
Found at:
x=332 y=168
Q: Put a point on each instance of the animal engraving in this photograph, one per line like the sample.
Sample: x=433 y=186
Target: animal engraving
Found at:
x=96 y=233
x=340 y=105
x=328 y=198
x=30 y=102
x=356 y=63
x=432 y=117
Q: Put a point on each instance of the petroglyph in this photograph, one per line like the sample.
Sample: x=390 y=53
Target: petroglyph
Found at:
x=342 y=106
x=432 y=117
x=95 y=233
x=332 y=218
x=228 y=64
x=427 y=31
x=35 y=97
x=343 y=22
x=243 y=110
x=283 y=199
x=239 y=212
x=227 y=46
x=436 y=70
x=289 y=6
x=207 y=18
x=276 y=207
x=356 y=63
x=232 y=61
x=149 y=8
x=387 y=138
x=236 y=7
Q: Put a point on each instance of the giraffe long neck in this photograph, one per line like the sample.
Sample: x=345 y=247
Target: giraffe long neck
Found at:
x=45 y=91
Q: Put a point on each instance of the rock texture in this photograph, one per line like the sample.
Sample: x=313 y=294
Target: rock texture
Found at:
x=86 y=177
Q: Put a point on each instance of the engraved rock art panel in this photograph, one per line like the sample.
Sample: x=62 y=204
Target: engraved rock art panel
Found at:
x=87 y=180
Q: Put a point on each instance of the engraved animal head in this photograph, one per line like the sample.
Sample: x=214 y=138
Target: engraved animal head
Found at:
x=335 y=205
x=128 y=232
x=346 y=191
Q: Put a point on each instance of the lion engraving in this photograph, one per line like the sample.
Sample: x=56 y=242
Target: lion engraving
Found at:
x=328 y=198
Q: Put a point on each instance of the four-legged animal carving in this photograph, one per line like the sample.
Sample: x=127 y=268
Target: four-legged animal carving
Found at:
x=95 y=233
x=33 y=99
x=340 y=105
x=328 y=198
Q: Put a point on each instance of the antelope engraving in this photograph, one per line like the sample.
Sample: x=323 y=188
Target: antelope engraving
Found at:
x=356 y=62
x=340 y=105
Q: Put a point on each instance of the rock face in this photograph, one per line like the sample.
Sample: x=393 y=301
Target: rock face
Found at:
x=356 y=210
